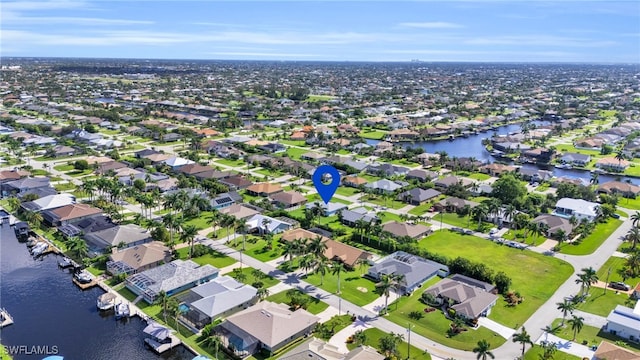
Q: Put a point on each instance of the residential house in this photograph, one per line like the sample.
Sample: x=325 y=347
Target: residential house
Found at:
x=12 y=175
x=417 y=196
x=402 y=134
x=316 y=349
x=69 y=213
x=453 y=204
x=496 y=169
x=554 y=224
x=174 y=162
x=236 y=182
x=264 y=189
x=265 y=326
x=581 y=209
x=347 y=254
x=194 y=168
x=383 y=146
x=470 y=302
x=215 y=174
x=445 y=182
x=138 y=258
x=145 y=152
x=62 y=150
x=224 y=200
x=111 y=166
x=24 y=185
x=328 y=209
x=121 y=236
x=49 y=202
x=387 y=170
x=385 y=186
x=351 y=217
x=265 y=224
x=312 y=156
x=172 y=278
x=575 y=159
x=288 y=199
x=609 y=351
x=354 y=181
x=414 y=270
x=219 y=297
x=612 y=164
x=530 y=174
x=273 y=148
x=398 y=230
x=625 y=322
x=422 y=175
x=240 y=211
x=625 y=189
x=86 y=226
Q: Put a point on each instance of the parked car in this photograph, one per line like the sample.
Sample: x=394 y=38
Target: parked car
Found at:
x=493 y=231
x=619 y=286
x=615 y=216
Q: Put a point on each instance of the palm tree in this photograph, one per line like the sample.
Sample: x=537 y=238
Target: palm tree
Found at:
x=633 y=236
x=262 y=293
x=188 y=235
x=480 y=212
x=170 y=221
x=635 y=218
x=34 y=219
x=307 y=262
x=14 y=203
x=587 y=278
x=483 y=350
x=213 y=341
x=577 y=322
x=322 y=267
x=162 y=299
x=386 y=283
x=510 y=212
x=595 y=178
x=362 y=263
x=317 y=247
x=523 y=338
x=620 y=156
x=548 y=350
x=243 y=228
x=359 y=337
x=567 y=308
x=265 y=225
x=336 y=268
x=78 y=247
x=288 y=250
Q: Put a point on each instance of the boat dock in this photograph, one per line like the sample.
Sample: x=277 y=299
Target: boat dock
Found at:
x=162 y=347
x=86 y=286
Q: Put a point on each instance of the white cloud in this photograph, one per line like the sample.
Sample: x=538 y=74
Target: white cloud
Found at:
x=538 y=40
x=431 y=25
x=14 y=18
x=42 y=5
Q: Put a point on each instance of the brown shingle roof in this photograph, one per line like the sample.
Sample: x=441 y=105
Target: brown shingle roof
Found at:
x=73 y=211
x=289 y=197
x=265 y=188
x=609 y=351
x=403 y=229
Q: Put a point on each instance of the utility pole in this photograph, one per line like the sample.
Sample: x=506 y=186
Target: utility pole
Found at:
x=409 y=327
x=607 y=282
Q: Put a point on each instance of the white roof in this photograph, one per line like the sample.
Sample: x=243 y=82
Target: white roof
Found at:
x=222 y=294
x=256 y=222
x=579 y=206
x=175 y=161
x=54 y=201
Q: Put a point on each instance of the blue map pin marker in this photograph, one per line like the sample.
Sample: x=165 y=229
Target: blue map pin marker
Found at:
x=326 y=191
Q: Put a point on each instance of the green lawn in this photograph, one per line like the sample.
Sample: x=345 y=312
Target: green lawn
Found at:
x=257 y=248
x=315 y=306
x=216 y=259
x=633 y=204
x=543 y=276
x=379 y=200
x=479 y=176
x=335 y=324
x=434 y=325
x=314 y=98
x=202 y=221
x=63 y=167
x=347 y=191
x=295 y=153
x=267 y=280
x=78 y=173
x=374 y=135
x=404 y=162
x=229 y=162
x=535 y=352
x=615 y=263
x=316 y=197
x=601 y=303
x=64 y=186
x=300 y=143
x=591 y=334
x=594 y=240
x=373 y=339
x=518 y=235
x=353 y=286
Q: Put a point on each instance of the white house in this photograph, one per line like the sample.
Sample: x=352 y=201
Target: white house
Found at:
x=581 y=209
x=625 y=322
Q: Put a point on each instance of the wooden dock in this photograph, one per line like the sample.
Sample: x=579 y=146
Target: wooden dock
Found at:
x=86 y=286
x=162 y=347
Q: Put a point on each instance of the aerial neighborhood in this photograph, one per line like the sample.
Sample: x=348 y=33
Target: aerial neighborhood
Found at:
x=481 y=216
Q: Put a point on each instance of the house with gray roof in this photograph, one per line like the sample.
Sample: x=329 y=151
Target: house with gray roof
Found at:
x=575 y=159
x=24 y=185
x=264 y=224
x=224 y=200
x=470 y=302
x=49 y=202
x=329 y=209
x=122 y=236
x=317 y=349
x=554 y=224
x=414 y=269
x=219 y=297
x=351 y=217
x=385 y=186
x=418 y=196
x=265 y=326
x=172 y=278
x=625 y=322
x=387 y=170
x=422 y=175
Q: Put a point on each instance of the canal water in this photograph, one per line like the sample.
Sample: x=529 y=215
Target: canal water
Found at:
x=52 y=313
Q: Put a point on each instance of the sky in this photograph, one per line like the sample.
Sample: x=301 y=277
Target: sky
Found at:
x=470 y=31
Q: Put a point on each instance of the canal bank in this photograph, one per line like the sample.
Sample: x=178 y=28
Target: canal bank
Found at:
x=54 y=315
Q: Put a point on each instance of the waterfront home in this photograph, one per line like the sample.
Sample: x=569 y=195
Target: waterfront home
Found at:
x=414 y=270
x=266 y=225
x=264 y=189
x=328 y=209
x=496 y=170
x=289 y=200
x=625 y=322
x=387 y=170
x=421 y=175
x=609 y=351
x=121 y=236
x=529 y=174
x=24 y=185
x=317 y=349
x=219 y=297
x=625 y=189
x=86 y=226
x=402 y=134
x=351 y=217
x=417 y=196
x=385 y=186
x=554 y=224
x=469 y=301
x=225 y=200
x=69 y=213
x=265 y=326
x=569 y=180
x=612 y=164
x=241 y=211
x=581 y=209
x=398 y=230
x=172 y=278
x=49 y=202
x=138 y=258
x=575 y=159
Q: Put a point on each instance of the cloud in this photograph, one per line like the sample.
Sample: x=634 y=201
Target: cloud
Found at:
x=13 y=18
x=538 y=40
x=42 y=5
x=431 y=25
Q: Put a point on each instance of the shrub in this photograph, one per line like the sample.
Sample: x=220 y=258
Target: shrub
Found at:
x=416 y=315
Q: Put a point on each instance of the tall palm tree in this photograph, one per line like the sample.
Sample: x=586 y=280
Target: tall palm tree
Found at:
x=317 y=247
x=243 y=228
x=620 y=156
x=567 y=308
x=633 y=236
x=337 y=267
x=213 y=341
x=588 y=277
x=262 y=293
x=523 y=338
x=188 y=235
x=288 y=250
x=482 y=349
x=265 y=225
x=386 y=283
x=170 y=221
x=549 y=348
x=306 y=263
x=510 y=212
x=480 y=212
x=78 y=247
x=322 y=267
x=635 y=218
x=34 y=219
x=162 y=299
x=577 y=322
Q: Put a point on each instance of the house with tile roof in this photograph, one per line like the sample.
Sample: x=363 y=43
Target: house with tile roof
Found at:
x=138 y=258
x=68 y=213
x=414 y=270
x=470 y=302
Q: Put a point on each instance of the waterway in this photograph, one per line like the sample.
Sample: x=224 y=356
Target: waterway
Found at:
x=51 y=312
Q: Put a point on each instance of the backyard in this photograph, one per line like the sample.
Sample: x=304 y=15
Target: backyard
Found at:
x=590 y=243
x=543 y=276
x=354 y=287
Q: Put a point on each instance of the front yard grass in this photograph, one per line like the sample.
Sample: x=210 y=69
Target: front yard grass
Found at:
x=335 y=324
x=347 y=191
x=434 y=325
x=215 y=259
x=615 y=263
x=249 y=277
x=315 y=306
x=64 y=186
x=518 y=235
x=353 y=286
x=535 y=353
x=63 y=167
x=373 y=339
x=295 y=153
x=543 y=276
x=379 y=200
x=479 y=176
x=591 y=334
x=632 y=204
x=594 y=240
x=601 y=303
x=420 y=210
x=257 y=248
x=373 y=135
x=229 y=162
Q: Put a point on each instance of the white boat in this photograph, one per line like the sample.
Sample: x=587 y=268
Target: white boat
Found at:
x=65 y=262
x=106 y=301
x=122 y=311
x=5 y=318
x=83 y=277
x=32 y=242
x=39 y=249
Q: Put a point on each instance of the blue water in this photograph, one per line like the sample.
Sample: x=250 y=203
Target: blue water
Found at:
x=49 y=310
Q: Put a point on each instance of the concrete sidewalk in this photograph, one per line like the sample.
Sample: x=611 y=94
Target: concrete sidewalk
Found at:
x=567 y=346
x=504 y=331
